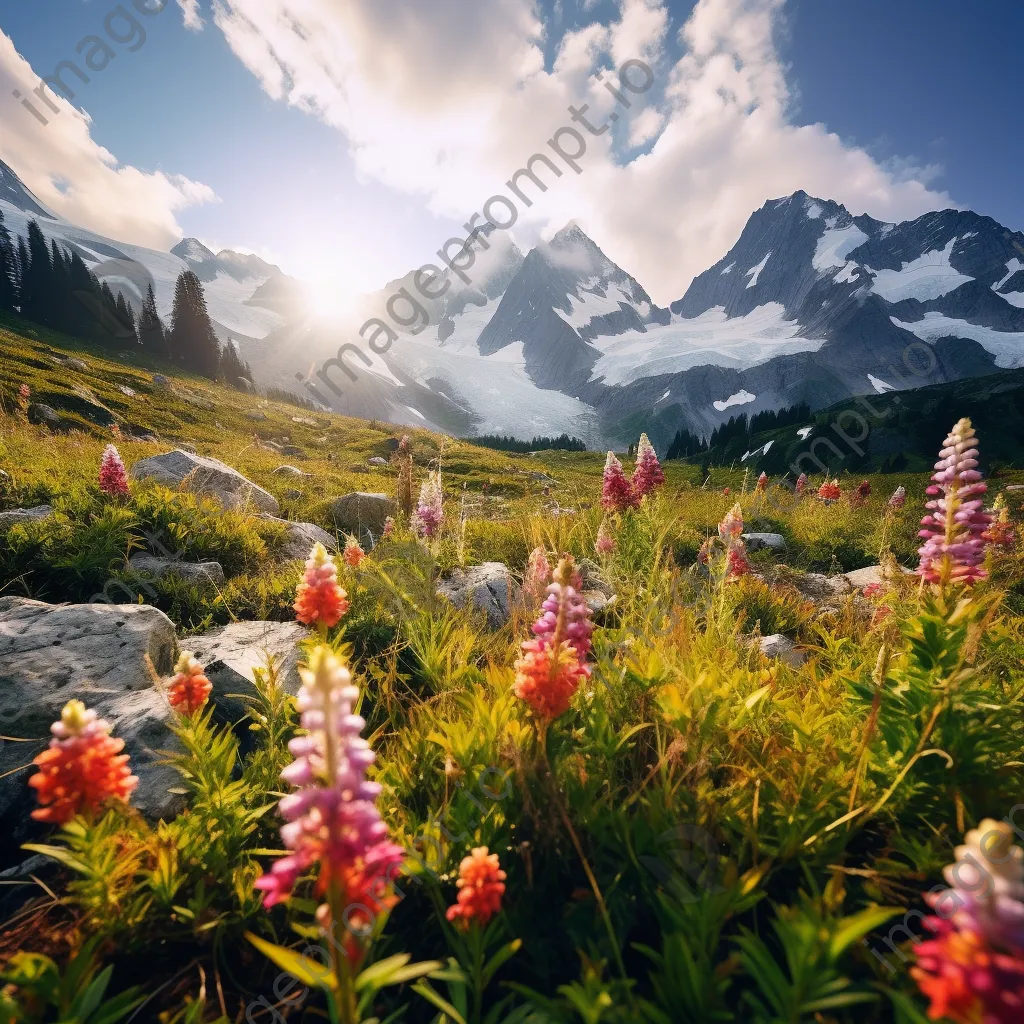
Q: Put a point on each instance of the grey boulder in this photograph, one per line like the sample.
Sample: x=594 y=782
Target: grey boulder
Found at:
x=205 y=575
x=781 y=648
x=24 y=515
x=486 y=587
x=300 y=537
x=363 y=514
x=50 y=654
x=233 y=654
x=871 y=574
x=760 y=541
x=205 y=476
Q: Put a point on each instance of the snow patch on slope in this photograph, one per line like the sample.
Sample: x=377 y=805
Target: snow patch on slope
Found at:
x=881 y=386
x=740 y=398
x=755 y=272
x=1006 y=346
x=930 y=276
x=834 y=244
x=1014 y=298
x=590 y=305
x=711 y=338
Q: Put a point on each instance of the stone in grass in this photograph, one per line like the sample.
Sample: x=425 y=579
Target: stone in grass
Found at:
x=76 y=364
x=871 y=574
x=781 y=648
x=231 y=654
x=376 y=460
x=362 y=514
x=50 y=654
x=293 y=451
x=486 y=587
x=39 y=413
x=24 y=515
x=207 y=576
x=760 y=541
x=204 y=476
x=290 y=471
x=300 y=537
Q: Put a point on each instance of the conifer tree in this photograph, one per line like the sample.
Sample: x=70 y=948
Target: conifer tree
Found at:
x=8 y=269
x=193 y=342
x=60 y=290
x=37 y=279
x=232 y=369
x=152 y=335
x=22 y=267
x=126 y=318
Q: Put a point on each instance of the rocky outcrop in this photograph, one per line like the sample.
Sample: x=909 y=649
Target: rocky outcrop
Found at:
x=363 y=514
x=231 y=655
x=50 y=654
x=209 y=477
x=870 y=575
x=300 y=537
x=781 y=648
x=762 y=541
x=486 y=587
x=24 y=515
x=205 y=575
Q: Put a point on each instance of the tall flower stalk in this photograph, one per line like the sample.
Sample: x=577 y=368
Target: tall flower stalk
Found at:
x=113 y=478
x=954 y=528
x=730 y=531
x=426 y=520
x=332 y=823
x=319 y=599
x=648 y=474
x=403 y=460
x=617 y=493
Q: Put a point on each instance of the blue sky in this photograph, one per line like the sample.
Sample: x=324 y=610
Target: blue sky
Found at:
x=930 y=91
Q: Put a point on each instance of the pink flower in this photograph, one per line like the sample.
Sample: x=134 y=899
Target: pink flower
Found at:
x=648 y=473
x=389 y=528
x=898 y=498
x=113 y=478
x=616 y=491
x=801 y=483
x=730 y=530
x=605 y=543
x=536 y=578
x=762 y=482
x=426 y=520
x=955 y=526
x=332 y=819
x=553 y=665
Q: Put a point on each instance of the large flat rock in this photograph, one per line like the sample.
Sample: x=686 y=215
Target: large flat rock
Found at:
x=486 y=587
x=50 y=654
x=205 y=476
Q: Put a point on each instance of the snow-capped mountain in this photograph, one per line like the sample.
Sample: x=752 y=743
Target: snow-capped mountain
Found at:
x=230 y=279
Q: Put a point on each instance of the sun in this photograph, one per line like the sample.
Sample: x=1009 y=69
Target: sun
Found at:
x=330 y=298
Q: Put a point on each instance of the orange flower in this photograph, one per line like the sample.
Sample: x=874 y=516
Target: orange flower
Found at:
x=189 y=688
x=548 y=676
x=81 y=769
x=353 y=553
x=319 y=599
x=481 y=885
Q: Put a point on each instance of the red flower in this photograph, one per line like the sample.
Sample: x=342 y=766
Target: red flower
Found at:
x=616 y=491
x=189 y=688
x=113 y=478
x=481 y=885
x=762 y=482
x=319 y=600
x=82 y=768
x=829 y=490
x=353 y=553
x=648 y=473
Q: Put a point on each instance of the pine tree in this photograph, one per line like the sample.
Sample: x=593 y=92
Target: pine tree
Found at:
x=193 y=342
x=84 y=299
x=8 y=269
x=152 y=335
x=61 y=314
x=232 y=369
x=22 y=269
x=126 y=318
x=37 y=279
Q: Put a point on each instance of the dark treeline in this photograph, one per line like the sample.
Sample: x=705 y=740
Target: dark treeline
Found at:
x=743 y=426
x=562 y=443
x=290 y=398
x=54 y=288
x=686 y=445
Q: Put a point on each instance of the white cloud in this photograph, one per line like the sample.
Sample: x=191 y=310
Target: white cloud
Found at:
x=193 y=19
x=76 y=177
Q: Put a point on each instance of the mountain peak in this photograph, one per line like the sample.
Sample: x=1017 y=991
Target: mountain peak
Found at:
x=14 y=191
x=191 y=250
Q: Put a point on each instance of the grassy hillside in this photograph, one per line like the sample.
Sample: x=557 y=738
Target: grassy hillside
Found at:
x=892 y=432
x=705 y=832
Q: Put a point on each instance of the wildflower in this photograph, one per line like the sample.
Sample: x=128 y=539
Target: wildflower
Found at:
x=430 y=511
x=403 y=459
x=319 y=599
x=24 y=394
x=873 y=590
x=605 y=543
x=726 y=490
x=481 y=885
x=552 y=664
x=801 y=483
x=762 y=483
x=332 y=819
x=113 y=478
x=829 y=490
x=730 y=530
x=536 y=578
x=616 y=491
x=189 y=688
x=898 y=498
x=955 y=526
x=861 y=494
x=973 y=968
x=389 y=528
x=115 y=430
x=1001 y=532
x=353 y=553
x=81 y=768
x=648 y=473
